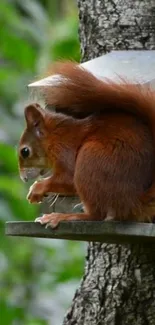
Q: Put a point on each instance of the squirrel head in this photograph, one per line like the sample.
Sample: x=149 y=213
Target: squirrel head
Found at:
x=32 y=158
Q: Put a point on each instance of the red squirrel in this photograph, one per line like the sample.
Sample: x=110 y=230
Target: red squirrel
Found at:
x=99 y=144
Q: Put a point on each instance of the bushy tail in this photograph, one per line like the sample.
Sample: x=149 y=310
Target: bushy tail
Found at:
x=72 y=88
x=75 y=90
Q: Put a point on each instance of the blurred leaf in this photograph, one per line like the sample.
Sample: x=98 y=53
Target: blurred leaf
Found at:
x=66 y=49
x=8 y=158
x=36 y=322
x=35 y=10
x=11 y=186
x=16 y=45
x=22 y=210
x=6 y=213
x=14 y=313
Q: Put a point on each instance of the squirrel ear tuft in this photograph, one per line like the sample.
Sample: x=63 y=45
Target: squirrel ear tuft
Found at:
x=34 y=115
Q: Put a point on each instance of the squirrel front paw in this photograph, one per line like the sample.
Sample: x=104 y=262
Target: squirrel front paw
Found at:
x=50 y=220
x=37 y=193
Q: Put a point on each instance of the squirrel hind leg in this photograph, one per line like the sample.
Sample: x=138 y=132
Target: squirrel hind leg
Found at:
x=148 y=196
x=147 y=213
x=102 y=187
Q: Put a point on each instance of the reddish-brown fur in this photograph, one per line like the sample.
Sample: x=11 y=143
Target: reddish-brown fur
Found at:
x=107 y=158
x=83 y=93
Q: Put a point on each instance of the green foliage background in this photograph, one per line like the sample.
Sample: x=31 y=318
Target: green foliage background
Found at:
x=37 y=277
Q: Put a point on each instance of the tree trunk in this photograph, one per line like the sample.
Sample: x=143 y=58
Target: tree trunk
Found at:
x=118 y=287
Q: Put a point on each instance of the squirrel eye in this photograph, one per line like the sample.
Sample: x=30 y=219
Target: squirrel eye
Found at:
x=25 y=152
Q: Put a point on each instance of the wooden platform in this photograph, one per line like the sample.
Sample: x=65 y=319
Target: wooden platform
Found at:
x=100 y=231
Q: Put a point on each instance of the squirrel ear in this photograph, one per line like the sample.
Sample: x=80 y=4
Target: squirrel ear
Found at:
x=34 y=116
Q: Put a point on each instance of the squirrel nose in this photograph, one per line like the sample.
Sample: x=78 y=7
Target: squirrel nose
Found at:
x=23 y=177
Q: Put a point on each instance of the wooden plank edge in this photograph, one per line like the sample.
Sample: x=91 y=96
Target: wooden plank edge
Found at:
x=96 y=231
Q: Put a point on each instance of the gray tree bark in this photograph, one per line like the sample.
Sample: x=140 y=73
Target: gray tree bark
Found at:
x=118 y=287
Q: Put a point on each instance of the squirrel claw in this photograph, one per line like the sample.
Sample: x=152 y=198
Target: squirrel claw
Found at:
x=38 y=220
x=49 y=220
